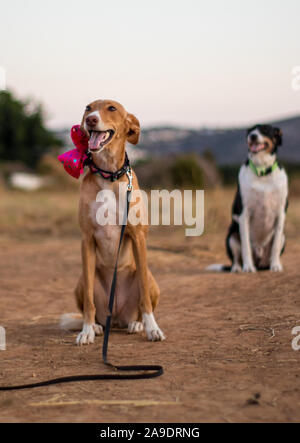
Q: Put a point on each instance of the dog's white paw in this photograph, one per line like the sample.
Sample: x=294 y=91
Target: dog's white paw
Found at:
x=153 y=332
x=155 y=335
x=87 y=335
x=236 y=268
x=249 y=267
x=98 y=329
x=135 y=327
x=276 y=267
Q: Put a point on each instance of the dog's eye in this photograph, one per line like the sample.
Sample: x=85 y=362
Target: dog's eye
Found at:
x=112 y=109
x=88 y=108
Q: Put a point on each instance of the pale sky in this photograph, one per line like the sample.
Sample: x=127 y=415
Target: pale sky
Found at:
x=187 y=62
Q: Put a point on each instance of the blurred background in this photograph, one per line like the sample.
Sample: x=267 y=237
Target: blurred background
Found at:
x=195 y=73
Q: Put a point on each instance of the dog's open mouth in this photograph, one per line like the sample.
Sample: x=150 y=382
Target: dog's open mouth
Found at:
x=257 y=147
x=98 y=139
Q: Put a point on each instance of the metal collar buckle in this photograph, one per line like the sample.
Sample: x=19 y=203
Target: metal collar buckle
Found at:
x=130 y=178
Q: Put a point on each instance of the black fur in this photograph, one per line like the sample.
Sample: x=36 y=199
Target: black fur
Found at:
x=237 y=209
x=233 y=229
x=286 y=205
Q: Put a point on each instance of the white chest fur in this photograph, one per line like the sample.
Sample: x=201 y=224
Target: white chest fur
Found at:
x=263 y=198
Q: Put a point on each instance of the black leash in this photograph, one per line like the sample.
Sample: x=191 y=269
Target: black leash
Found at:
x=148 y=371
x=158 y=370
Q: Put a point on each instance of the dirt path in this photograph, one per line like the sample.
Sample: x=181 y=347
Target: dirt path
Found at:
x=228 y=354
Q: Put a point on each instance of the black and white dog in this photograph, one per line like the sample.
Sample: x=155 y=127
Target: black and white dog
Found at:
x=256 y=238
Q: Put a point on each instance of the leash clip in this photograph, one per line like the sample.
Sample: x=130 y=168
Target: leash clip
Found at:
x=130 y=178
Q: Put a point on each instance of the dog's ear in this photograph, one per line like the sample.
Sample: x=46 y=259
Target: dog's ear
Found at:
x=133 y=129
x=278 y=136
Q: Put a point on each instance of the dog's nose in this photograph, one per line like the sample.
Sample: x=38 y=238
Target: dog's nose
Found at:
x=92 y=120
x=253 y=137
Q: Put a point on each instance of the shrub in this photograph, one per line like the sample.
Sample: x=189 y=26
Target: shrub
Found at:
x=186 y=172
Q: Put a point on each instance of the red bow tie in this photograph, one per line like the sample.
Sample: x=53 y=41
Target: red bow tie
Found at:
x=73 y=161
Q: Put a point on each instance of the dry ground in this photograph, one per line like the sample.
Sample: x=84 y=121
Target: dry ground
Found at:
x=227 y=356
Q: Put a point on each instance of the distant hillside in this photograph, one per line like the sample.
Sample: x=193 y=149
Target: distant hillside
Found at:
x=227 y=145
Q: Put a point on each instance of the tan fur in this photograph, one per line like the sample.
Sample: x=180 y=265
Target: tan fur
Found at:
x=269 y=144
x=137 y=292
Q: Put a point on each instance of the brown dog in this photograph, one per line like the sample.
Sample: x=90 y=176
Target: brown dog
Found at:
x=109 y=127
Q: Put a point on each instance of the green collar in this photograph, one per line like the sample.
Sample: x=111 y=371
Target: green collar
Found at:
x=262 y=171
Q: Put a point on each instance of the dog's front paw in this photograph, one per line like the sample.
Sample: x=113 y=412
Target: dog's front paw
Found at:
x=153 y=332
x=135 y=327
x=87 y=335
x=98 y=329
x=276 y=267
x=249 y=267
x=236 y=268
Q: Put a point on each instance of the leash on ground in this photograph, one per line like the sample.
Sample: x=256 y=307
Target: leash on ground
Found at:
x=146 y=371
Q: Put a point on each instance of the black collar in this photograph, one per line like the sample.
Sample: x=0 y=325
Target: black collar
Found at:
x=108 y=175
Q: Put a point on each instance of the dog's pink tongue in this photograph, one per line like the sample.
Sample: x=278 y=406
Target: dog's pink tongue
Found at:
x=257 y=148
x=95 y=140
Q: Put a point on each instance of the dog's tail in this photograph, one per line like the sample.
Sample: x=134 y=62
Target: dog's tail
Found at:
x=71 y=322
x=218 y=268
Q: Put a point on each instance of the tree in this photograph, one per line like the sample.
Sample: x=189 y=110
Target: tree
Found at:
x=23 y=135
